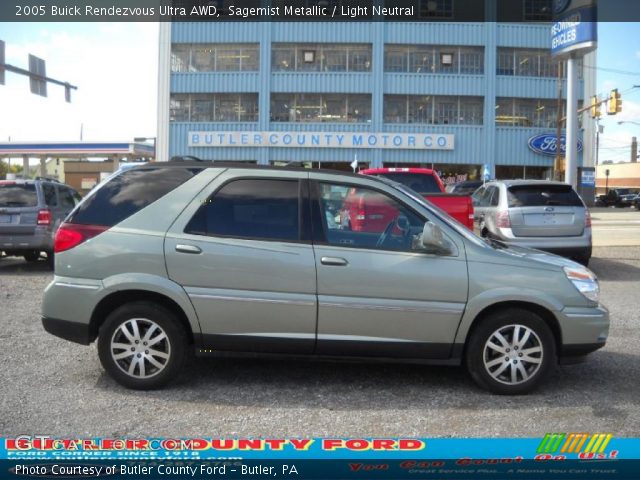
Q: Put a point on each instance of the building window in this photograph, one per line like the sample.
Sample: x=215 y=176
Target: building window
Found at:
x=436 y=8
x=432 y=59
x=326 y=107
x=442 y=110
x=215 y=58
x=538 y=10
x=320 y=58
x=527 y=112
x=214 y=107
x=529 y=63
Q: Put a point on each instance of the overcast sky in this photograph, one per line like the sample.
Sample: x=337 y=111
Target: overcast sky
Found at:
x=115 y=67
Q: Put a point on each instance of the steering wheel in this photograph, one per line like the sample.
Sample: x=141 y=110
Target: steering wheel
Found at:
x=387 y=230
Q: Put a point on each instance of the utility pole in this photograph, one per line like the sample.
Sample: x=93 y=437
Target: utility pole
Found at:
x=634 y=149
x=571 y=144
x=557 y=174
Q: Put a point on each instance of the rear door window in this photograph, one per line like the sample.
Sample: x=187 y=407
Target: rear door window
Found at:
x=261 y=209
x=66 y=198
x=543 y=195
x=18 y=195
x=128 y=193
x=49 y=193
x=415 y=181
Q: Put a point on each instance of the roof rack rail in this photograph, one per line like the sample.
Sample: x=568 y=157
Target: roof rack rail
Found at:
x=48 y=179
x=185 y=158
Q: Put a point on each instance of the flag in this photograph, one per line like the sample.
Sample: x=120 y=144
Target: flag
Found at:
x=354 y=164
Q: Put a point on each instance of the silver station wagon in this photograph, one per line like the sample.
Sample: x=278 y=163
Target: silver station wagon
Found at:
x=168 y=259
x=541 y=214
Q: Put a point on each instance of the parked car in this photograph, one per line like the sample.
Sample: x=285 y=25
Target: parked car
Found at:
x=636 y=202
x=428 y=184
x=617 y=197
x=467 y=187
x=164 y=260
x=30 y=213
x=539 y=214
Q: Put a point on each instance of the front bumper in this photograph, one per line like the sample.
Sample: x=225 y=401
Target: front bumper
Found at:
x=584 y=330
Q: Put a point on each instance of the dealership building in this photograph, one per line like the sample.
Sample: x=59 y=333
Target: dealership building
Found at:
x=461 y=96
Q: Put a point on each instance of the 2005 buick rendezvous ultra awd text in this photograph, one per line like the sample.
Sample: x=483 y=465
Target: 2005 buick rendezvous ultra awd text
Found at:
x=170 y=258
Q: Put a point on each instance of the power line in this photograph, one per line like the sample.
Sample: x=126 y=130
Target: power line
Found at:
x=613 y=70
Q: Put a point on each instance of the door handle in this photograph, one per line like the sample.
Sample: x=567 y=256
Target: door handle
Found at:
x=188 y=249
x=334 y=261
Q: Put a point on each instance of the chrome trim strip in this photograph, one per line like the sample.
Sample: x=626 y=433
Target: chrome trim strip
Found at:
x=362 y=338
x=252 y=299
x=301 y=336
x=584 y=315
x=425 y=309
x=77 y=285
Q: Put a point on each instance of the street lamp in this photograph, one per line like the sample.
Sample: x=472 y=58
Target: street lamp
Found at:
x=147 y=139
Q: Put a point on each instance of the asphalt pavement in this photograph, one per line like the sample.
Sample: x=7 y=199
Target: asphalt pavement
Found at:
x=51 y=386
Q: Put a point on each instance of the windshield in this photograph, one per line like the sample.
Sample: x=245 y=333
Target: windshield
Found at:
x=18 y=195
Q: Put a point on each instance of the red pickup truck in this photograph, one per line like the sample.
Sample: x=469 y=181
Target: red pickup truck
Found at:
x=424 y=181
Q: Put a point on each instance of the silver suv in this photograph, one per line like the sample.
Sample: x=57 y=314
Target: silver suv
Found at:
x=168 y=259
x=540 y=214
x=30 y=213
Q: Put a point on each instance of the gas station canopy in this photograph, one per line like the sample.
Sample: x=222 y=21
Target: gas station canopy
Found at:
x=76 y=149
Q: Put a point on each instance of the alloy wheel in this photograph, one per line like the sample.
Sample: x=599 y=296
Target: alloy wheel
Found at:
x=513 y=354
x=140 y=348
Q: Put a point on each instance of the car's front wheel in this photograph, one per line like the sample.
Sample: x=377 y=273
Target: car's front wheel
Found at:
x=142 y=345
x=510 y=351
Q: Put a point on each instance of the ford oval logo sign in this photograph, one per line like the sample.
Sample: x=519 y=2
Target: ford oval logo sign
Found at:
x=546 y=144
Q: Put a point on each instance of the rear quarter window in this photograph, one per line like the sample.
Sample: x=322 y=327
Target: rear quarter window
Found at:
x=543 y=195
x=18 y=195
x=128 y=193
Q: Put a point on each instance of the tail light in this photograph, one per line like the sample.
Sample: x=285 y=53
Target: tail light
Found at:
x=44 y=217
x=71 y=235
x=587 y=219
x=502 y=220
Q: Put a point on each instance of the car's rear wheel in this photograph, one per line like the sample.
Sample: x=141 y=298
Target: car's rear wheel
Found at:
x=32 y=256
x=510 y=351
x=142 y=345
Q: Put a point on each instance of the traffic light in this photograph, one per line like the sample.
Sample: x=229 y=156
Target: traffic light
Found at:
x=595 y=107
x=615 y=102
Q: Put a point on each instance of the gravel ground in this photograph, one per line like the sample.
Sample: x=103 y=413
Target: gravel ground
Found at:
x=51 y=386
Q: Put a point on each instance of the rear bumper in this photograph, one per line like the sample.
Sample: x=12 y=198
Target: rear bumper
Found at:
x=72 y=331
x=41 y=239
x=565 y=246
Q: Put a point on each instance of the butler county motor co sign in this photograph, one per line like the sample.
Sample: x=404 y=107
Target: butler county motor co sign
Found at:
x=411 y=141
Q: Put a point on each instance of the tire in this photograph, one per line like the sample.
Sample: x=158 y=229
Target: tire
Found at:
x=499 y=379
x=170 y=350
x=51 y=260
x=32 y=256
x=583 y=260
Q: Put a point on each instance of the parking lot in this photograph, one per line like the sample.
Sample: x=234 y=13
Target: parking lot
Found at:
x=56 y=387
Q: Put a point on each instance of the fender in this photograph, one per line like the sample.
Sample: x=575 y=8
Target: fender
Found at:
x=154 y=284
x=488 y=298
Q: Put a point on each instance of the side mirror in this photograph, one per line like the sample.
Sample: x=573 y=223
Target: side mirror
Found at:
x=433 y=238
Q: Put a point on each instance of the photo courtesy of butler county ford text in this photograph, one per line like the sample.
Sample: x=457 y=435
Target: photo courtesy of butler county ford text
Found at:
x=320 y=239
